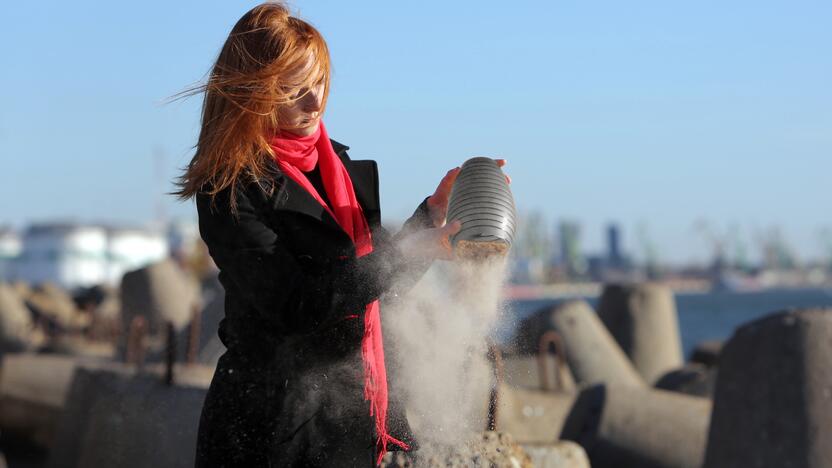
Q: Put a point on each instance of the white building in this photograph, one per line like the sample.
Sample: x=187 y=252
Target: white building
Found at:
x=10 y=247
x=129 y=249
x=183 y=236
x=73 y=255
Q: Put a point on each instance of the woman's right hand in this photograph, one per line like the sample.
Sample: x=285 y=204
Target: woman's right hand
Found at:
x=430 y=244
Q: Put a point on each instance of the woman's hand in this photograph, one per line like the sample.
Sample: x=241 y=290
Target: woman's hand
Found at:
x=501 y=163
x=438 y=202
x=430 y=244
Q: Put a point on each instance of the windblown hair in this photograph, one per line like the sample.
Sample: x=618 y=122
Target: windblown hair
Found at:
x=253 y=75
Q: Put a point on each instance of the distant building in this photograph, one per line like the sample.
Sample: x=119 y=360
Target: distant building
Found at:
x=614 y=265
x=75 y=255
x=614 y=255
x=66 y=254
x=129 y=249
x=10 y=246
x=527 y=270
x=182 y=237
x=570 y=248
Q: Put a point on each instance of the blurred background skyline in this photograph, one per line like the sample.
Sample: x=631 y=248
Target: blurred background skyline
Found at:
x=680 y=122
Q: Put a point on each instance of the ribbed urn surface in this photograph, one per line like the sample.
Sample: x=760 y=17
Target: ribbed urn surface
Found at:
x=481 y=199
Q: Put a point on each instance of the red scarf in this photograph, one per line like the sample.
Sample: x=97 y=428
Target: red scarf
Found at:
x=298 y=154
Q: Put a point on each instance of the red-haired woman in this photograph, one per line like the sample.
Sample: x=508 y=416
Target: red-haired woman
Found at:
x=294 y=226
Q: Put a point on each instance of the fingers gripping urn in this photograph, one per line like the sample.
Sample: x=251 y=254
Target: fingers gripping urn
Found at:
x=482 y=201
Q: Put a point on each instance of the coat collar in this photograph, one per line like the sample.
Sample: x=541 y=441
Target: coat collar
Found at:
x=364 y=176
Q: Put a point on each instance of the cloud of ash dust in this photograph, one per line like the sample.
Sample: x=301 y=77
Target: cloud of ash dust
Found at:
x=436 y=339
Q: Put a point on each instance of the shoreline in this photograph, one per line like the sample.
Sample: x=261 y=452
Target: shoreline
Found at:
x=516 y=292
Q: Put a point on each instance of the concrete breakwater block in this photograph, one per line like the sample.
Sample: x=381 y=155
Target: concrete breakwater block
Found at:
x=160 y=292
x=642 y=318
x=521 y=371
x=491 y=449
x=113 y=419
x=692 y=379
x=592 y=353
x=524 y=372
x=622 y=426
x=104 y=304
x=33 y=390
x=563 y=454
x=707 y=353
x=210 y=347
x=51 y=302
x=532 y=416
x=773 y=398
x=15 y=320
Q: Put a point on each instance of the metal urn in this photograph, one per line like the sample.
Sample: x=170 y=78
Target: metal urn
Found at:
x=481 y=199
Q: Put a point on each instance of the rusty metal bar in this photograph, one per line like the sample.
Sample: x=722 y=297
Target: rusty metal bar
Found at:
x=548 y=340
x=136 y=346
x=193 y=336
x=170 y=354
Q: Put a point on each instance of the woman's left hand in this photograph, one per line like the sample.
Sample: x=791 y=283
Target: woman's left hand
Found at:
x=438 y=202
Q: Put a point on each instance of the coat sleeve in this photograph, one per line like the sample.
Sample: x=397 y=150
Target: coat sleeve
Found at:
x=253 y=258
x=420 y=220
x=407 y=272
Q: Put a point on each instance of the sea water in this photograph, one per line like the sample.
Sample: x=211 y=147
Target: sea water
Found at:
x=702 y=316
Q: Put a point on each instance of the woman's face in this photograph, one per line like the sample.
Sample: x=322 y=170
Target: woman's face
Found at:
x=303 y=115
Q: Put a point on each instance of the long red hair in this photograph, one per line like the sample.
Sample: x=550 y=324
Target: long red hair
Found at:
x=250 y=79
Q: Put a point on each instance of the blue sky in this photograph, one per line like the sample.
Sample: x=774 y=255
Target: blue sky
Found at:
x=641 y=112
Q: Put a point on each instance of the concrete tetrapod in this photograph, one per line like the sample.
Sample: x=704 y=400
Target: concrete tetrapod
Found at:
x=15 y=321
x=692 y=378
x=532 y=416
x=525 y=372
x=55 y=304
x=592 y=353
x=33 y=391
x=561 y=454
x=773 y=397
x=162 y=293
x=626 y=426
x=707 y=353
x=117 y=419
x=210 y=346
x=643 y=320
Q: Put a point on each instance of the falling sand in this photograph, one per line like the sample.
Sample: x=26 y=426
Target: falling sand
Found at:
x=437 y=339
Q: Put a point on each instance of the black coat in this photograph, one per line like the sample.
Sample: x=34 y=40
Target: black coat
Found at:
x=289 y=390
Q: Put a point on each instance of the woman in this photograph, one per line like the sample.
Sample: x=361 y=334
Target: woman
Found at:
x=294 y=227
